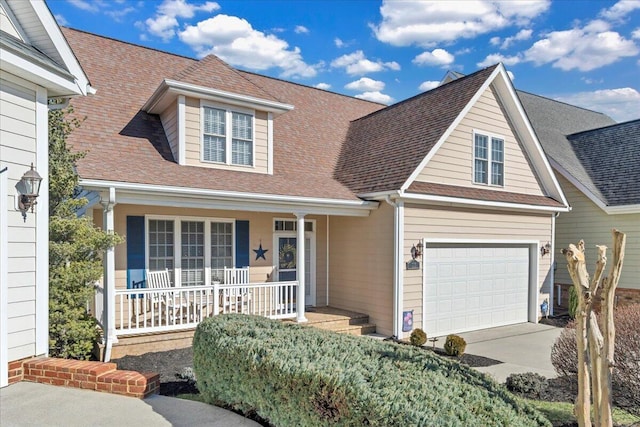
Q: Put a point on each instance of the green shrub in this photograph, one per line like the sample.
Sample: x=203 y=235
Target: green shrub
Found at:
x=573 y=302
x=455 y=345
x=418 y=337
x=527 y=383
x=292 y=375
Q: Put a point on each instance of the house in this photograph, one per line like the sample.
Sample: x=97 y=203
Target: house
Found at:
x=429 y=213
x=38 y=71
x=596 y=162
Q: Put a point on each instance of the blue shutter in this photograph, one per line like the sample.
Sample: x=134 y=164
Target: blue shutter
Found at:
x=242 y=244
x=135 y=250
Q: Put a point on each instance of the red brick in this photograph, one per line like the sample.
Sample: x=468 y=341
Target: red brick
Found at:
x=57 y=381
x=103 y=387
x=136 y=389
x=89 y=385
x=119 y=388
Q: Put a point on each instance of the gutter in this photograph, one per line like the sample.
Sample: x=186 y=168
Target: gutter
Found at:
x=398 y=279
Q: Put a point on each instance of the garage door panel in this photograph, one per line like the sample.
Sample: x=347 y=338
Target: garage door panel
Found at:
x=471 y=287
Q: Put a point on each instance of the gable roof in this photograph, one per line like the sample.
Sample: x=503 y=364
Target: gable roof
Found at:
x=128 y=145
x=611 y=158
x=572 y=155
x=384 y=148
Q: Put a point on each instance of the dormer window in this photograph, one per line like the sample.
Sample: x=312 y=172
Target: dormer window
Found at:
x=227 y=136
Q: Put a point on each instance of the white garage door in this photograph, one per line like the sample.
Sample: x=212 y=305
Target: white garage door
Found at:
x=470 y=287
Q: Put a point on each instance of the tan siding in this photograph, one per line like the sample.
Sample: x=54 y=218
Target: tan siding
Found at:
x=193 y=141
x=260 y=230
x=453 y=162
x=18 y=151
x=361 y=266
x=587 y=221
x=169 y=119
x=448 y=223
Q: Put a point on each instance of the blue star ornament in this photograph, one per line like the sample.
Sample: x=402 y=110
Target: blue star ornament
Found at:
x=260 y=252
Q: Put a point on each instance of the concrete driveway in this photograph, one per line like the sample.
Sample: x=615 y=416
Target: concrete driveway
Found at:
x=525 y=347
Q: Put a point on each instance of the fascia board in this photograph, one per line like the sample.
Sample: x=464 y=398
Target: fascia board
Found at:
x=56 y=84
x=483 y=203
x=172 y=87
x=195 y=197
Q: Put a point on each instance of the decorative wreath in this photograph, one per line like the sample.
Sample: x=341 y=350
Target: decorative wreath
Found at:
x=287 y=257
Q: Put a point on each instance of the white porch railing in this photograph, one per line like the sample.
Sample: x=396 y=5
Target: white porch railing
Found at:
x=156 y=310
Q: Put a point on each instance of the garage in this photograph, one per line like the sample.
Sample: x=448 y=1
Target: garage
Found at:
x=475 y=286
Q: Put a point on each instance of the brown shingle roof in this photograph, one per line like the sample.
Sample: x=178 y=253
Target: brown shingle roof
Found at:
x=480 y=194
x=384 y=148
x=212 y=72
x=126 y=144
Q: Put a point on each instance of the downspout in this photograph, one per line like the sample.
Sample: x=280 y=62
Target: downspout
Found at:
x=552 y=270
x=398 y=240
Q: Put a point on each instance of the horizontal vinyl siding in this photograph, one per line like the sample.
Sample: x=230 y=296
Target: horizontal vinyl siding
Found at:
x=169 y=119
x=588 y=222
x=447 y=223
x=361 y=266
x=17 y=152
x=452 y=164
x=193 y=141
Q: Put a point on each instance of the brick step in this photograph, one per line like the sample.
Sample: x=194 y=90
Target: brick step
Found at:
x=98 y=376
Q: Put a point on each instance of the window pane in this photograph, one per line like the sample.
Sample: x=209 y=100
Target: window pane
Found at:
x=221 y=249
x=497 y=150
x=497 y=175
x=214 y=121
x=241 y=152
x=214 y=149
x=480 y=171
x=192 y=233
x=161 y=245
x=480 y=147
x=242 y=126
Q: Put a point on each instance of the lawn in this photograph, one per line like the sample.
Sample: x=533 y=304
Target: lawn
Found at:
x=561 y=413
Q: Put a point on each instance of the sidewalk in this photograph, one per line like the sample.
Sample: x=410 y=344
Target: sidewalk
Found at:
x=31 y=404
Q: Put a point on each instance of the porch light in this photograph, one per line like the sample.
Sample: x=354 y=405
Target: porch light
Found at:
x=545 y=249
x=30 y=189
x=416 y=250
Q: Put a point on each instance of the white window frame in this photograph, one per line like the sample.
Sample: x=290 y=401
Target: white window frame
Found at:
x=490 y=137
x=229 y=132
x=177 y=242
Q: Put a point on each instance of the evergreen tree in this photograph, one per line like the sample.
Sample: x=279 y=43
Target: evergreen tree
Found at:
x=75 y=249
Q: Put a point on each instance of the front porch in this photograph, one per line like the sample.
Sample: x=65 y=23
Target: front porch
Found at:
x=327 y=318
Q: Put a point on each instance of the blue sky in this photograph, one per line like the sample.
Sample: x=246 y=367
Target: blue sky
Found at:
x=585 y=53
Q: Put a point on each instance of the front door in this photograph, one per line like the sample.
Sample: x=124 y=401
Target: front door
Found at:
x=287 y=263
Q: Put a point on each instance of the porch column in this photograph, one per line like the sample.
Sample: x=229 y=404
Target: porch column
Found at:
x=109 y=278
x=301 y=269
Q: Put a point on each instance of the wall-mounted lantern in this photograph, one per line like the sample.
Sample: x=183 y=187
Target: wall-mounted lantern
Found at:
x=29 y=191
x=416 y=250
x=545 y=249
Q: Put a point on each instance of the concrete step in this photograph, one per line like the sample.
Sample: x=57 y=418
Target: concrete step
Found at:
x=339 y=323
x=364 y=329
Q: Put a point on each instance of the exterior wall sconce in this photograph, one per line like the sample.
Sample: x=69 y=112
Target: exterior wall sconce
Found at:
x=416 y=250
x=29 y=191
x=545 y=249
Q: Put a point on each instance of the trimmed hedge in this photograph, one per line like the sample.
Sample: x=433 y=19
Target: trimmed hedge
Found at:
x=292 y=375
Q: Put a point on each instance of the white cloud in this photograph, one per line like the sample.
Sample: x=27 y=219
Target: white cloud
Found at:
x=620 y=9
x=85 y=5
x=508 y=41
x=324 y=86
x=357 y=64
x=235 y=41
x=494 y=58
x=379 y=97
x=165 y=22
x=635 y=34
x=118 y=14
x=61 y=19
x=511 y=75
x=585 y=49
x=439 y=57
x=301 y=29
x=426 y=23
x=428 y=85
x=365 y=84
x=591 y=81
x=622 y=104
x=338 y=42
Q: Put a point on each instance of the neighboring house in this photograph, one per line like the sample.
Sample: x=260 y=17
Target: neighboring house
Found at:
x=37 y=68
x=323 y=196
x=596 y=161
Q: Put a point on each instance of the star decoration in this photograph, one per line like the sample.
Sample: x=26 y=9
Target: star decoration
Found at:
x=260 y=252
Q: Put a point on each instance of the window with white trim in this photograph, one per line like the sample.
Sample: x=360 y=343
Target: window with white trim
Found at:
x=488 y=160
x=203 y=245
x=222 y=143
